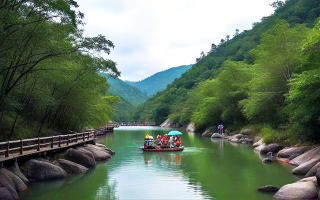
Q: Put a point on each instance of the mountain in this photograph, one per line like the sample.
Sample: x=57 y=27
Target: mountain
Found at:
x=130 y=97
x=159 y=81
x=208 y=95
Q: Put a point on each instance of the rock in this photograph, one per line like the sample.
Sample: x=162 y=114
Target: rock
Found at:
x=246 y=132
x=36 y=170
x=234 y=140
x=100 y=145
x=238 y=136
x=318 y=176
x=268 y=188
x=191 y=127
x=261 y=146
x=70 y=167
x=274 y=148
x=98 y=154
x=10 y=184
x=312 y=179
x=216 y=135
x=111 y=152
x=86 y=152
x=256 y=144
x=165 y=124
x=287 y=152
x=294 y=156
x=80 y=158
x=267 y=160
x=207 y=133
x=311 y=154
x=313 y=170
x=304 y=168
x=245 y=140
x=298 y=190
x=6 y=195
x=16 y=170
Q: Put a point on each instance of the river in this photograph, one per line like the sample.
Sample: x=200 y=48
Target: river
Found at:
x=206 y=169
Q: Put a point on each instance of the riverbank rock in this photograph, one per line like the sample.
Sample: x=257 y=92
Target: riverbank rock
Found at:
x=191 y=127
x=207 y=133
x=311 y=154
x=98 y=154
x=256 y=144
x=245 y=141
x=312 y=179
x=80 y=157
x=36 y=170
x=110 y=151
x=274 y=148
x=16 y=170
x=298 y=190
x=70 y=167
x=313 y=170
x=269 y=189
x=246 y=132
x=304 y=168
x=216 y=135
x=287 y=152
x=10 y=184
x=165 y=124
x=318 y=176
x=234 y=140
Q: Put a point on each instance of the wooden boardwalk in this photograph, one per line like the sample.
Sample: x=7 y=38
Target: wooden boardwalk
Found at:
x=11 y=150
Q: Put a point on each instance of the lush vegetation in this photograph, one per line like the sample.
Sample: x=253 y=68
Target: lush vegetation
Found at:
x=159 y=81
x=266 y=78
x=130 y=98
x=48 y=79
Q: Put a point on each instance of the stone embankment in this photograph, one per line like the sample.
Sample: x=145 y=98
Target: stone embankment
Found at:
x=306 y=160
x=15 y=178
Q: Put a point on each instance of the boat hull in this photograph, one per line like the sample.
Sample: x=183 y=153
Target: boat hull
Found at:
x=164 y=149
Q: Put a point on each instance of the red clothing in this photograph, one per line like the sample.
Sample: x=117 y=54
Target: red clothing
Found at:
x=178 y=143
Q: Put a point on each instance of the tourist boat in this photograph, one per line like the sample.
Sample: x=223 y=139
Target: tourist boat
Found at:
x=148 y=144
x=163 y=149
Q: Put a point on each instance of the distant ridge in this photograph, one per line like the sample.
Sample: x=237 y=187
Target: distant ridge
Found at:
x=159 y=81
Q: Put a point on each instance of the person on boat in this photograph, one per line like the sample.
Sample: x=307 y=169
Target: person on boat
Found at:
x=158 y=140
x=171 y=141
x=165 y=140
x=178 y=142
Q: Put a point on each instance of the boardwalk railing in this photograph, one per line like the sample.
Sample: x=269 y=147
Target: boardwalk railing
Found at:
x=137 y=123
x=41 y=142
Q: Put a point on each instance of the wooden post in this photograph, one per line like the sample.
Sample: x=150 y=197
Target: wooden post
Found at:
x=59 y=144
x=76 y=137
x=68 y=140
x=83 y=137
x=21 y=146
x=52 y=140
x=38 y=149
x=8 y=146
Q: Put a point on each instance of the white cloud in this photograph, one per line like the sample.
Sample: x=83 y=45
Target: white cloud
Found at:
x=154 y=35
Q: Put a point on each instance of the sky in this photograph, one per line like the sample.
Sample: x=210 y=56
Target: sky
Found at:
x=154 y=35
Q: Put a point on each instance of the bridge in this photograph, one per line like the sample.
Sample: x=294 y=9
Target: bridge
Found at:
x=137 y=123
x=11 y=150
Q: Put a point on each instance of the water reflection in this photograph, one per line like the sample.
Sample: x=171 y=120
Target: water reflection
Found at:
x=159 y=157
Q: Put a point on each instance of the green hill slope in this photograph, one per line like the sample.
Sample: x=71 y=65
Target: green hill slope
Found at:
x=235 y=83
x=159 y=81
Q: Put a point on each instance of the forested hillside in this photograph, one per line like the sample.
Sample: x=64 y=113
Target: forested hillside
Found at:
x=130 y=98
x=159 y=81
x=48 y=79
x=266 y=78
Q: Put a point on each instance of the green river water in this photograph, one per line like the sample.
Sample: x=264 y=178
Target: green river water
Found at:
x=206 y=169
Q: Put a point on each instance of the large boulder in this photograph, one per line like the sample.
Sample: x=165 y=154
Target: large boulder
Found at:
x=98 y=154
x=80 y=157
x=238 y=136
x=16 y=170
x=101 y=148
x=313 y=170
x=191 y=127
x=298 y=190
x=256 y=144
x=274 y=148
x=312 y=179
x=36 y=170
x=207 y=133
x=258 y=148
x=311 y=154
x=70 y=167
x=234 y=140
x=287 y=152
x=216 y=135
x=247 y=132
x=304 y=168
x=318 y=176
x=10 y=184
